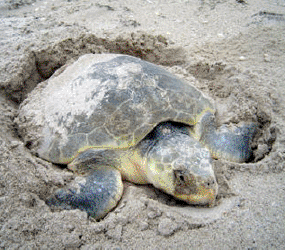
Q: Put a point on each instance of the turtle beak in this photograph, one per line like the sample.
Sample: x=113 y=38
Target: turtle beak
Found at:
x=203 y=196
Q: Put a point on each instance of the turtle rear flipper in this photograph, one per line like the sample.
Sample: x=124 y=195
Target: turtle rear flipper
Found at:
x=96 y=194
x=226 y=144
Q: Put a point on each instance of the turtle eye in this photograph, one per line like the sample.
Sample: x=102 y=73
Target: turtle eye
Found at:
x=184 y=183
x=179 y=175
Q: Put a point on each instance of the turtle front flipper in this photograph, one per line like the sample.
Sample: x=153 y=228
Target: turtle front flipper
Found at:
x=96 y=194
x=226 y=144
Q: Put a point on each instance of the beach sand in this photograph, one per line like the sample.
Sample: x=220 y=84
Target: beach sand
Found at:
x=233 y=51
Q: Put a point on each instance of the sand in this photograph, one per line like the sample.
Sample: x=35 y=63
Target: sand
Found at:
x=231 y=50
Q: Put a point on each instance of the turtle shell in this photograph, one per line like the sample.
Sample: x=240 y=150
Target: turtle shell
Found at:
x=104 y=101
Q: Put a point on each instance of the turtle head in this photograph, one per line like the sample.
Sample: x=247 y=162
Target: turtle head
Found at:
x=180 y=166
x=194 y=182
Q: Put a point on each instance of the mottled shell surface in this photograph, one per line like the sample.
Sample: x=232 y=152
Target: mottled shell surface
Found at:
x=104 y=101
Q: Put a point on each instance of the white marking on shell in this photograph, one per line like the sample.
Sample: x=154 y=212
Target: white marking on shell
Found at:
x=61 y=99
x=124 y=72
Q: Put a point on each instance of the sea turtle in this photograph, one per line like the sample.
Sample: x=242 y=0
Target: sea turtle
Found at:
x=112 y=116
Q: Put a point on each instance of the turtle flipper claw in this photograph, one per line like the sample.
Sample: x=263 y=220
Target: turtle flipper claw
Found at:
x=101 y=192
